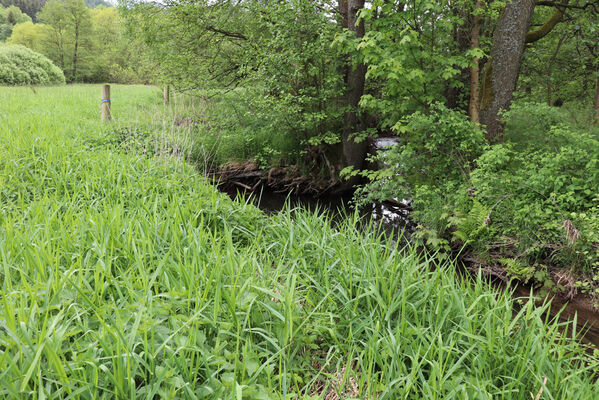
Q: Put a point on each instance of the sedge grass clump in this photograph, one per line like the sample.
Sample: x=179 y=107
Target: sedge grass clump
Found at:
x=128 y=276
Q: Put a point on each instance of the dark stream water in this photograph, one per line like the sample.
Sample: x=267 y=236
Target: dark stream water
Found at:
x=393 y=218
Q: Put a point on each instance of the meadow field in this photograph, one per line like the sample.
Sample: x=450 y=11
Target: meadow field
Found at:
x=125 y=275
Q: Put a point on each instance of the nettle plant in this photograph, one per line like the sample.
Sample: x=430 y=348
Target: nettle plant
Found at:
x=545 y=197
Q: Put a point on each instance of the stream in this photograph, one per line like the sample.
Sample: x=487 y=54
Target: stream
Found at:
x=393 y=218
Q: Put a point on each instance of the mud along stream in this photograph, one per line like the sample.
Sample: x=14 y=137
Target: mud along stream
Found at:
x=393 y=218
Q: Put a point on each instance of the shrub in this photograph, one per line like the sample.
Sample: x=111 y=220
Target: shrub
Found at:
x=22 y=66
x=540 y=191
x=435 y=157
x=528 y=203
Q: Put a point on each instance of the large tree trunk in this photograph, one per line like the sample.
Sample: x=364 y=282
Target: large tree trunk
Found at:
x=501 y=73
x=475 y=67
x=353 y=153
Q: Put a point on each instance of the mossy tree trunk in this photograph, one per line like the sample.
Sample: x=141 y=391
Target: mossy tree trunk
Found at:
x=501 y=71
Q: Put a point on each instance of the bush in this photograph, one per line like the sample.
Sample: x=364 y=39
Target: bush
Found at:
x=529 y=203
x=22 y=66
x=436 y=154
x=544 y=197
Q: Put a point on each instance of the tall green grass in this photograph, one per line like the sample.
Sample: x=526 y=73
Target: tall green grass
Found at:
x=127 y=276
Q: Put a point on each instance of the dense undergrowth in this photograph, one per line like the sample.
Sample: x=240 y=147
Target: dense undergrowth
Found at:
x=232 y=125
x=125 y=275
x=528 y=205
x=208 y=129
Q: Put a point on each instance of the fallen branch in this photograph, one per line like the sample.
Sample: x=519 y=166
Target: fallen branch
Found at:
x=243 y=185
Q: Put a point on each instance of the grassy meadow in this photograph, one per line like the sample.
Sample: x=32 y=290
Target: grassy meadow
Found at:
x=124 y=275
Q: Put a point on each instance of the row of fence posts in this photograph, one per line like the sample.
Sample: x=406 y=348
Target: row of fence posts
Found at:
x=106 y=101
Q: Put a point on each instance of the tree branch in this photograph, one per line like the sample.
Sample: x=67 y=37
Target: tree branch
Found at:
x=226 y=33
x=546 y=28
x=591 y=4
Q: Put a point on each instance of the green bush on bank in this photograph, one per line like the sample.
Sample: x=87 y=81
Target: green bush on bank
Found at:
x=528 y=203
x=22 y=66
x=541 y=190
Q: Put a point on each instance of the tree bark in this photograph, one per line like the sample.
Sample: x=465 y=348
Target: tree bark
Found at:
x=596 y=103
x=342 y=4
x=546 y=28
x=354 y=153
x=550 y=70
x=502 y=70
x=475 y=67
x=75 y=52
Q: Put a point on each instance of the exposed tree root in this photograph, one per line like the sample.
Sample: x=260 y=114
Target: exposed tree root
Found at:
x=287 y=179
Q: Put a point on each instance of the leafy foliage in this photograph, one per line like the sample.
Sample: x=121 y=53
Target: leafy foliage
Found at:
x=29 y=35
x=436 y=154
x=9 y=17
x=280 y=53
x=29 y=7
x=540 y=190
x=22 y=66
x=88 y=45
x=531 y=199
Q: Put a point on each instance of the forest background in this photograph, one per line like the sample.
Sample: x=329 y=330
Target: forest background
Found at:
x=86 y=40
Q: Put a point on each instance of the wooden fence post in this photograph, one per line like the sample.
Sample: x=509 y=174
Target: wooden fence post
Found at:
x=166 y=95
x=106 y=103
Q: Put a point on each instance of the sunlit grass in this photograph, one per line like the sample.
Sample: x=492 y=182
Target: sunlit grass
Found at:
x=127 y=276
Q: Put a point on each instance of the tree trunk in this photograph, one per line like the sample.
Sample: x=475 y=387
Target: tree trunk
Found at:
x=475 y=68
x=59 y=46
x=596 y=103
x=343 y=12
x=353 y=153
x=75 y=52
x=550 y=70
x=501 y=71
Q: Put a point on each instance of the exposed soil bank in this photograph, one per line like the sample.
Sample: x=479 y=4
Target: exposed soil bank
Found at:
x=580 y=307
x=287 y=180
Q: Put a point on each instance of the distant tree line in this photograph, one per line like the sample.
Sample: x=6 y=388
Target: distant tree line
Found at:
x=32 y=7
x=9 y=17
x=87 y=44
